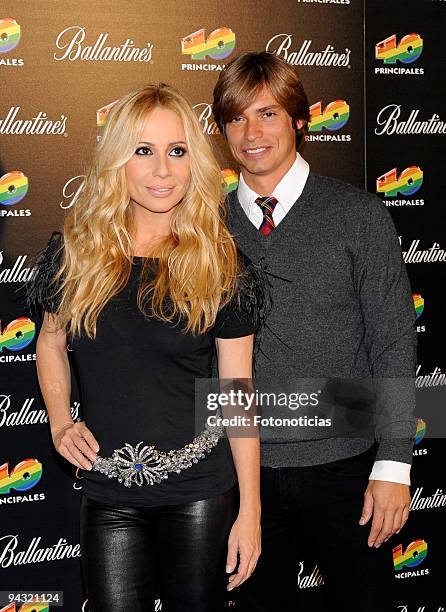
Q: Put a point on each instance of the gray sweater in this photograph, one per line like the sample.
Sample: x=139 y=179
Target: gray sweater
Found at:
x=341 y=307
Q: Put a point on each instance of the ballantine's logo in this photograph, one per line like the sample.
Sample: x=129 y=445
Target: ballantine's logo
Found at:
x=436 y=500
x=413 y=556
x=37 y=125
x=308 y=581
x=23 y=477
x=17 y=273
x=421 y=430
x=9 y=35
x=435 y=379
x=71 y=40
x=217 y=46
x=204 y=113
x=230 y=178
x=407 y=183
x=434 y=254
x=32 y=554
x=281 y=43
x=408 y=50
x=332 y=118
x=17 y=335
x=13 y=188
x=388 y=122
x=26 y=414
x=71 y=191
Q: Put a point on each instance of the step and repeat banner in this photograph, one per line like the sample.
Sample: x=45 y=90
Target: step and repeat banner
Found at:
x=372 y=73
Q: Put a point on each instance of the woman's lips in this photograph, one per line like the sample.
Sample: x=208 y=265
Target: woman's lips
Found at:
x=160 y=192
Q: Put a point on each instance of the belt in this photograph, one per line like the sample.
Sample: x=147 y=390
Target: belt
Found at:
x=145 y=465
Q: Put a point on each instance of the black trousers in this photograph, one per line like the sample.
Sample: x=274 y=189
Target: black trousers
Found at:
x=314 y=511
x=130 y=555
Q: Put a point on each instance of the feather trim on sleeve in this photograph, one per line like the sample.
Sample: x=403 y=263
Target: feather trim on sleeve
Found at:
x=253 y=292
x=41 y=290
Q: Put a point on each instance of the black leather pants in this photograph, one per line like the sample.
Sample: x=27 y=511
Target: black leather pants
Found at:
x=131 y=555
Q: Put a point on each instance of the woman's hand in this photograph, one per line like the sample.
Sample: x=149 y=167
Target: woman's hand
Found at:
x=76 y=443
x=244 y=542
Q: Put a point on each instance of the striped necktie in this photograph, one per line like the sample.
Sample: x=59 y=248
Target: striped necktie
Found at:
x=267 y=205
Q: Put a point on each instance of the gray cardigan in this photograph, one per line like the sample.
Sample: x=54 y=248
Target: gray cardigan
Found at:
x=341 y=308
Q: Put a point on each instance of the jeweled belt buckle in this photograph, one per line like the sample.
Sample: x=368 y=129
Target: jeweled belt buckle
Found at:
x=145 y=465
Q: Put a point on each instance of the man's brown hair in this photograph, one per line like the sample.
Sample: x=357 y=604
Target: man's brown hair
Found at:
x=246 y=75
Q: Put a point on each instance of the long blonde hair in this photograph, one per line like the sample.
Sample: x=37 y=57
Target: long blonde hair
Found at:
x=197 y=266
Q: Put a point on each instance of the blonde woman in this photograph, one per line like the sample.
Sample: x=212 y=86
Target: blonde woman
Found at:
x=143 y=284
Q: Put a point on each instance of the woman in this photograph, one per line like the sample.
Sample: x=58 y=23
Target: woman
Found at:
x=144 y=284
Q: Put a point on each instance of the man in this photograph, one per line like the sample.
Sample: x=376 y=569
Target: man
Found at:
x=341 y=308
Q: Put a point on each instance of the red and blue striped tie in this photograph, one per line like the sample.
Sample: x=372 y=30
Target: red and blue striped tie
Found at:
x=267 y=205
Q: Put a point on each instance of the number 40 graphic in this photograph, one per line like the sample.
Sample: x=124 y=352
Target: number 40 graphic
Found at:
x=219 y=44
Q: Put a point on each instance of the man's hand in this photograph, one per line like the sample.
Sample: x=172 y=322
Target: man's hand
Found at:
x=389 y=503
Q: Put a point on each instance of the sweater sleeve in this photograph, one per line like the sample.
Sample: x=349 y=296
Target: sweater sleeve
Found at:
x=387 y=307
x=42 y=290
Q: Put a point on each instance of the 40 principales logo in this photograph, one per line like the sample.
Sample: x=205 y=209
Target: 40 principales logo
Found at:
x=418 y=303
x=14 y=337
x=13 y=188
x=407 y=183
x=10 y=35
x=410 y=558
x=15 y=482
x=330 y=119
x=407 y=51
x=217 y=46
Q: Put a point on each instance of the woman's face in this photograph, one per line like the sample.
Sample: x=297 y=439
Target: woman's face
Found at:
x=158 y=172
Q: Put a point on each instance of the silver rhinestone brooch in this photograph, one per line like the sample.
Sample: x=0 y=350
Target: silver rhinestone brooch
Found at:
x=145 y=465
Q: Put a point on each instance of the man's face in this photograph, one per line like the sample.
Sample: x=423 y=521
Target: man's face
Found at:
x=262 y=138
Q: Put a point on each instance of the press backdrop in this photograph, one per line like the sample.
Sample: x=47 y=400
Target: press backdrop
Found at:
x=372 y=73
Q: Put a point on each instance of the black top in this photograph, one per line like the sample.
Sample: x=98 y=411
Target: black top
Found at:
x=137 y=381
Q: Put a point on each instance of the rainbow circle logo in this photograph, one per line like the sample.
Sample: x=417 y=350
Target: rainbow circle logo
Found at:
x=13 y=187
x=418 y=303
x=9 y=34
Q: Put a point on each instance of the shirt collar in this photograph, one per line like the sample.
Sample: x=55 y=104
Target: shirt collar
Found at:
x=287 y=190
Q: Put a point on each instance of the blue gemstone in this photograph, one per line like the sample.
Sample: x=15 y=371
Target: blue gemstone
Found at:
x=138 y=467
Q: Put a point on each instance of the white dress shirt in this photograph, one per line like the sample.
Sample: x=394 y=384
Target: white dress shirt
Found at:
x=287 y=191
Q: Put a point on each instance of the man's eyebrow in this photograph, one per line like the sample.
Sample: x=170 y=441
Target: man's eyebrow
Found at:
x=266 y=108
x=260 y=110
x=170 y=144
